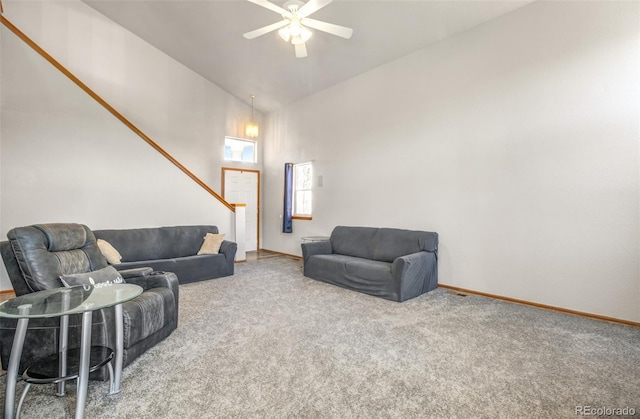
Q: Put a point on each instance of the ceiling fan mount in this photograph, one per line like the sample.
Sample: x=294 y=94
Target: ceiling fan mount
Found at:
x=295 y=23
x=293 y=5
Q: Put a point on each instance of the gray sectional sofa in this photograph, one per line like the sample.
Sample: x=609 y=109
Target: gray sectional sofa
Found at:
x=390 y=263
x=171 y=249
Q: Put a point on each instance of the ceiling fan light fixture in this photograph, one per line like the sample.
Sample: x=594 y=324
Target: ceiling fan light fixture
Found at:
x=295 y=40
x=305 y=34
x=285 y=33
x=295 y=28
x=295 y=35
x=295 y=23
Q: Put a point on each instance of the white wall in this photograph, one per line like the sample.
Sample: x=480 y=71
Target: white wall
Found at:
x=517 y=141
x=64 y=158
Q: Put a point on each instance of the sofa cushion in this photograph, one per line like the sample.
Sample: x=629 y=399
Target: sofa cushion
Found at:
x=370 y=276
x=383 y=244
x=189 y=268
x=391 y=243
x=353 y=241
x=373 y=270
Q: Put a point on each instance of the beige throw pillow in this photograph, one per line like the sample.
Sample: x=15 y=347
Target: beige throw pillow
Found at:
x=109 y=252
x=211 y=244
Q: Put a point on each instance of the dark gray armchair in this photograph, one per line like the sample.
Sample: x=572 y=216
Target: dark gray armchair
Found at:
x=36 y=256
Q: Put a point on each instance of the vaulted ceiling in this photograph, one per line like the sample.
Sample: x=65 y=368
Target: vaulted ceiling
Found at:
x=206 y=36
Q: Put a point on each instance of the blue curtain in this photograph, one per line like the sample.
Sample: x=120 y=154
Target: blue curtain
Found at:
x=287 y=222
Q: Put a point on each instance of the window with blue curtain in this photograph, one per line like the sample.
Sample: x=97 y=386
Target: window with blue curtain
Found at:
x=287 y=219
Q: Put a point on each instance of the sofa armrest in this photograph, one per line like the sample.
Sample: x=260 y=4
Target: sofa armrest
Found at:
x=156 y=280
x=229 y=249
x=409 y=266
x=134 y=272
x=415 y=273
x=316 y=248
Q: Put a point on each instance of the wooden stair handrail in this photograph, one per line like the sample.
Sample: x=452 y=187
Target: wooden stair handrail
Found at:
x=111 y=109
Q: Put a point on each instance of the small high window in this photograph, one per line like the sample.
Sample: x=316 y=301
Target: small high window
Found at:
x=240 y=150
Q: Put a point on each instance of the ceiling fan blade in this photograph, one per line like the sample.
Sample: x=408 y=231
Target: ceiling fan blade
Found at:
x=267 y=4
x=301 y=50
x=265 y=29
x=312 y=6
x=337 y=30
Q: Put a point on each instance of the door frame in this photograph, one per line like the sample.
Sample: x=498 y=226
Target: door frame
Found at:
x=236 y=169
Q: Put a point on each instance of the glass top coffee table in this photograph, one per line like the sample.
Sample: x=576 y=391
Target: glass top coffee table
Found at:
x=62 y=302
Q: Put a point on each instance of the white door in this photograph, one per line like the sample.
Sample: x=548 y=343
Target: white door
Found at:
x=243 y=187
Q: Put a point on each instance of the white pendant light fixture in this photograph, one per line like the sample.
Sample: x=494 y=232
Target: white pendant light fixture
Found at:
x=251 y=130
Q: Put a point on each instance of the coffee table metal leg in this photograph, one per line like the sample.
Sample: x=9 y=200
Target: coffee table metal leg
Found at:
x=62 y=350
x=83 y=370
x=63 y=340
x=27 y=386
x=115 y=383
x=14 y=365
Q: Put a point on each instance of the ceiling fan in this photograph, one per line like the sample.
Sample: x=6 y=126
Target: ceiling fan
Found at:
x=293 y=27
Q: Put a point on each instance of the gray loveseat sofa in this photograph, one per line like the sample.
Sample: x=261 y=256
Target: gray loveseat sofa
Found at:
x=390 y=263
x=171 y=249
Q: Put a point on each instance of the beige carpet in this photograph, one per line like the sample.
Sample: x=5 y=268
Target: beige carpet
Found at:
x=269 y=343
